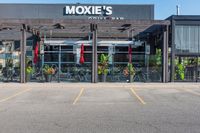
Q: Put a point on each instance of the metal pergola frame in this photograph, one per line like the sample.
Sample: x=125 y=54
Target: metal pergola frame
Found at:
x=79 y=29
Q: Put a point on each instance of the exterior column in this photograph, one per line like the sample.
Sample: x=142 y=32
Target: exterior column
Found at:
x=172 y=72
x=94 y=53
x=165 y=55
x=23 y=57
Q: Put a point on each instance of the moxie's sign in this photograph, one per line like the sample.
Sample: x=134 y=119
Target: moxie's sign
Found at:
x=88 y=10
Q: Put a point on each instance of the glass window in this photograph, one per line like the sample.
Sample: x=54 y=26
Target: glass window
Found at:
x=102 y=48
x=51 y=57
x=67 y=57
x=88 y=57
x=66 y=48
x=17 y=46
x=187 y=39
x=87 y=48
x=29 y=53
x=121 y=49
x=121 y=58
x=51 y=48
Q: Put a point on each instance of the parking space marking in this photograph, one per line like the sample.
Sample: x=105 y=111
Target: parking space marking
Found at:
x=78 y=97
x=137 y=96
x=192 y=92
x=14 y=95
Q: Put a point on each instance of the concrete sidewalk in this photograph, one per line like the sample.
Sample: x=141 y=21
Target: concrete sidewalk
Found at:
x=102 y=85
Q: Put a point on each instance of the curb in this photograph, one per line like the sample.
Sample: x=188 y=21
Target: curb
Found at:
x=103 y=85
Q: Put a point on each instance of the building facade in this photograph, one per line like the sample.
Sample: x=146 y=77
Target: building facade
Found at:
x=184 y=46
x=96 y=43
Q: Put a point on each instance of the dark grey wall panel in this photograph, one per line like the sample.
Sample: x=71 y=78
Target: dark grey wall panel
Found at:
x=56 y=11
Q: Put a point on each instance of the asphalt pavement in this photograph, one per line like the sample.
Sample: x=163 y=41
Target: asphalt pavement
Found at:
x=100 y=108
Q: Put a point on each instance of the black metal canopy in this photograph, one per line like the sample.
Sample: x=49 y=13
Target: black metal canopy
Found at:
x=62 y=28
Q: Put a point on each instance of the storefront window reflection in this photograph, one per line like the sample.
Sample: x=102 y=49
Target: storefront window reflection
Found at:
x=9 y=61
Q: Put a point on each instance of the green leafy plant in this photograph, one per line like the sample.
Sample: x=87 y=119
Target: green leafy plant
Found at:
x=155 y=65
x=129 y=70
x=29 y=70
x=156 y=60
x=103 y=66
x=48 y=70
x=180 y=71
x=158 y=57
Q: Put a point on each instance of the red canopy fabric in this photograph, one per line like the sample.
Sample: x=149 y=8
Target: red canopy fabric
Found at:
x=36 y=51
x=130 y=54
x=82 y=60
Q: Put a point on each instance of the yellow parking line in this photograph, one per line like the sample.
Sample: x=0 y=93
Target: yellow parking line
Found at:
x=12 y=96
x=79 y=95
x=137 y=96
x=192 y=92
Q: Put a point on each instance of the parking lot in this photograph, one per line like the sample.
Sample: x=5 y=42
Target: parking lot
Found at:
x=100 y=108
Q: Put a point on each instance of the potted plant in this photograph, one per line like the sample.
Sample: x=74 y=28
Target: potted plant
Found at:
x=29 y=71
x=129 y=71
x=48 y=72
x=103 y=67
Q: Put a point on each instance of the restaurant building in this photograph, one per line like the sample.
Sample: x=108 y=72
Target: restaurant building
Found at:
x=96 y=43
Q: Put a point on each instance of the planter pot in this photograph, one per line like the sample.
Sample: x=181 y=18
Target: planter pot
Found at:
x=99 y=78
x=131 y=78
x=28 y=77
x=48 y=78
x=104 y=77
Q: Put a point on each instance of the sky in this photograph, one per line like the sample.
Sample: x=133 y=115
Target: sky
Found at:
x=163 y=8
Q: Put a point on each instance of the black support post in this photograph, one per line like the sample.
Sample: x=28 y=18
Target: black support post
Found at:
x=172 y=73
x=165 y=55
x=59 y=64
x=93 y=28
x=23 y=57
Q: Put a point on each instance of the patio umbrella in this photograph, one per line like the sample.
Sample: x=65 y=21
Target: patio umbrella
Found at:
x=36 y=48
x=130 y=54
x=36 y=51
x=82 y=60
